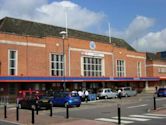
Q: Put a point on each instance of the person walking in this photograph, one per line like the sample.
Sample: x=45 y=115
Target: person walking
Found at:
x=119 y=93
x=86 y=95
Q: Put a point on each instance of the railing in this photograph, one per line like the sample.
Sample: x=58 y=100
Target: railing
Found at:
x=4 y=100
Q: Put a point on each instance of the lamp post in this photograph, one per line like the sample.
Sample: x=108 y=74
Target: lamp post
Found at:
x=63 y=33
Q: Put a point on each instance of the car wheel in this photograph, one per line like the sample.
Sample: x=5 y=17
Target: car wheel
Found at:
x=126 y=95
x=78 y=105
x=66 y=103
x=33 y=107
x=106 y=97
x=20 y=106
x=97 y=98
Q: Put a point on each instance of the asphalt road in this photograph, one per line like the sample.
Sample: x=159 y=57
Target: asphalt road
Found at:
x=134 y=110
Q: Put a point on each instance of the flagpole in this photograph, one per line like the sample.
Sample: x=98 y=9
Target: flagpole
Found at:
x=109 y=30
x=66 y=25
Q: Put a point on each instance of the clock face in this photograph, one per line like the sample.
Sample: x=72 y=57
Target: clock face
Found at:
x=92 y=45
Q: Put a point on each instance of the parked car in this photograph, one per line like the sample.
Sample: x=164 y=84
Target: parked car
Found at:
x=106 y=93
x=128 y=91
x=161 y=92
x=64 y=98
x=32 y=98
x=91 y=97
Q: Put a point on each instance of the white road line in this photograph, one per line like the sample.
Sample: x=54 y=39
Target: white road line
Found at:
x=162 y=115
x=113 y=120
x=159 y=99
x=137 y=106
x=134 y=119
x=144 y=116
x=12 y=108
x=15 y=123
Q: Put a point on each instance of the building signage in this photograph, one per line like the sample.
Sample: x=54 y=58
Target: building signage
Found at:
x=92 y=54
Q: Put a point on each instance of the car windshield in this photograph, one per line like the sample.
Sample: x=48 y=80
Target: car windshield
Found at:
x=100 y=90
x=73 y=94
x=162 y=89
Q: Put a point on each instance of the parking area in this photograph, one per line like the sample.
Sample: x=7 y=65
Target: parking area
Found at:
x=85 y=114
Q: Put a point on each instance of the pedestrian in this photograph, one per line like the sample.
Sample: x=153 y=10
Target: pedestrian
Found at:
x=80 y=93
x=156 y=89
x=86 y=95
x=119 y=93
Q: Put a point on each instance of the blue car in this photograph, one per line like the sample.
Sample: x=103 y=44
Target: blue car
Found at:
x=64 y=98
x=161 y=92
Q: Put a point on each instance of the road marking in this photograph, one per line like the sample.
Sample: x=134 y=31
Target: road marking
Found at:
x=12 y=108
x=162 y=115
x=135 y=119
x=159 y=99
x=137 y=106
x=143 y=116
x=9 y=122
x=114 y=120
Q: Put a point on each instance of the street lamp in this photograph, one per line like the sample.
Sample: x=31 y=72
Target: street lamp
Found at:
x=63 y=33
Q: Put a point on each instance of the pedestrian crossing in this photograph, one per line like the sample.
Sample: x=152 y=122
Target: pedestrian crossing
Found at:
x=134 y=118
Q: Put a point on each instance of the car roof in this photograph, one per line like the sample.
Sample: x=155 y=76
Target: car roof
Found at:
x=162 y=88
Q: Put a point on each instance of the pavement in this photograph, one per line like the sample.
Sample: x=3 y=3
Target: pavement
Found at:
x=43 y=118
x=25 y=118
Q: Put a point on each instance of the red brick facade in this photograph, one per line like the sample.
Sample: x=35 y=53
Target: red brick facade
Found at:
x=34 y=60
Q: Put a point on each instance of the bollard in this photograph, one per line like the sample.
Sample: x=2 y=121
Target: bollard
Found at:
x=50 y=109
x=119 y=115
x=33 y=115
x=67 y=111
x=37 y=108
x=154 y=100
x=17 y=113
x=5 y=111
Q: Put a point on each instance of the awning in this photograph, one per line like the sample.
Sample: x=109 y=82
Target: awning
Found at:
x=73 y=79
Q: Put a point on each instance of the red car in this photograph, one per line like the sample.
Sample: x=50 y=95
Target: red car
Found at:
x=32 y=98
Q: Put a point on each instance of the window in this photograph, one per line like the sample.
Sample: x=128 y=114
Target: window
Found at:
x=57 y=65
x=12 y=62
x=92 y=66
x=120 y=68
x=139 y=69
x=162 y=70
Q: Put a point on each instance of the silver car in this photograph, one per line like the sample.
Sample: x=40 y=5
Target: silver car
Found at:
x=128 y=91
x=106 y=93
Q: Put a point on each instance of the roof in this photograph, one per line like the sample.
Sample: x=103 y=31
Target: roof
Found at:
x=24 y=27
x=155 y=56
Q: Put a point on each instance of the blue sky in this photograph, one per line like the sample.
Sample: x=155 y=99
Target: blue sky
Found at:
x=142 y=23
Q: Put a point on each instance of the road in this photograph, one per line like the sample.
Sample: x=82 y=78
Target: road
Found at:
x=134 y=110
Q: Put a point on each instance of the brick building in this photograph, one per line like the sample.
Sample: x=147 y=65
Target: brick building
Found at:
x=34 y=55
x=156 y=67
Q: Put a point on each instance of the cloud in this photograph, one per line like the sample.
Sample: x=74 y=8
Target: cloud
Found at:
x=25 y=9
x=138 y=27
x=78 y=17
x=152 y=42
x=52 y=13
x=138 y=35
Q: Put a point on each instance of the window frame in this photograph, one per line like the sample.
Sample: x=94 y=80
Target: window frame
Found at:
x=58 y=69
x=15 y=67
x=119 y=71
x=91 y=66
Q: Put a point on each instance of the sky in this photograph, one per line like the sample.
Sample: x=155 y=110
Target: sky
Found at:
x=141 y=23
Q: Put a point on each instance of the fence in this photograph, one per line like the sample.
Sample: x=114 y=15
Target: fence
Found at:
x=4 y=100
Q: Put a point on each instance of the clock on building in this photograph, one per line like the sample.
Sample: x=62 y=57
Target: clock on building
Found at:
x=92 y=45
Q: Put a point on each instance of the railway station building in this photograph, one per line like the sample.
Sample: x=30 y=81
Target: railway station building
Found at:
x=43 y=57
